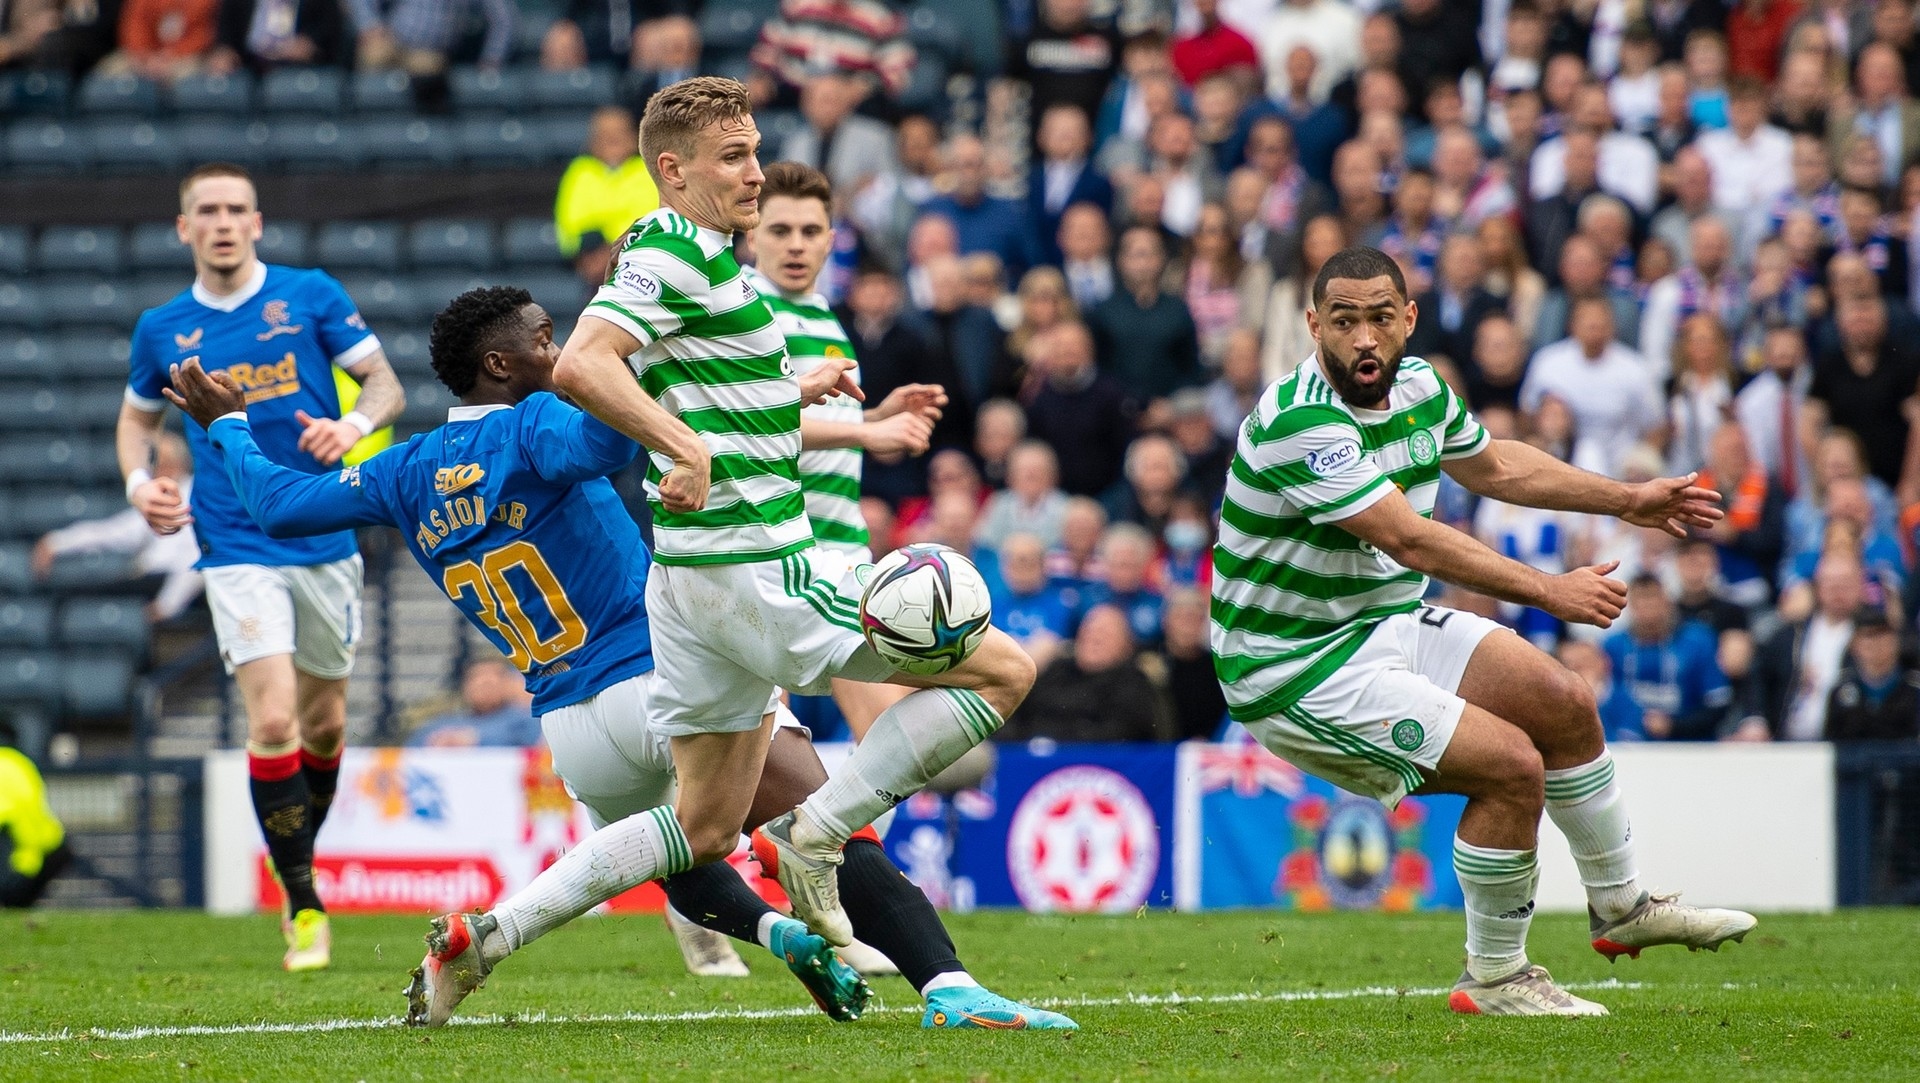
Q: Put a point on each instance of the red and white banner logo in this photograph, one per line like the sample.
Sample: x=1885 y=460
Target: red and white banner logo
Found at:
x=1083 y=840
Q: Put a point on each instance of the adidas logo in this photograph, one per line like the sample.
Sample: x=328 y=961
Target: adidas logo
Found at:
x=891 y=799
x=1519 y=912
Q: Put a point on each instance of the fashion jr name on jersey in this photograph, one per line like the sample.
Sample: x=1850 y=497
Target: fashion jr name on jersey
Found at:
x=464 y=511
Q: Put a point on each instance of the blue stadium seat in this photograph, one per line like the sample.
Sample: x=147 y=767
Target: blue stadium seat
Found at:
x=580 y=89
x=384 y=300
x=24 y=357
x=96 y=684
x=16 y=568
x=408 y=352
x=204 y=140
x=39 y=92
x=90 y=573
x=311 y=145
x=212 y=95
x=565 y=136
x=500 y=143
x=25 y=622
x=25 y=406
x=20 y=305
x=45 y=146
x=730 y=65
x=398 y=142
x=102 y=622
x=479 y=90
x=529 y=242
x=93 y=407
x=134 y=146
x=89 y=302
x=284 y=243
x=427 y=403
x=734 y=27
x=118 y=95
x=560 y=292
x=317 y=91
x=36 y=511
x=432 y=291
x=91 y=355
x=29 y=677
x=356 y=245
x=15 y=250
x=452 y=242
x=44 y=458
x=153 y=290
x=80 y=249
x=155 y=246
x=382 y=92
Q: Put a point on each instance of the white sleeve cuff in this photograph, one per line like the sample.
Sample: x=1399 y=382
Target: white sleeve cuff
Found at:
x=139 y=401
x=357 y=352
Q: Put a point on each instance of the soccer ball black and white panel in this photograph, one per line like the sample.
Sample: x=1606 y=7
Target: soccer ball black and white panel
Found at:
x=926 y=609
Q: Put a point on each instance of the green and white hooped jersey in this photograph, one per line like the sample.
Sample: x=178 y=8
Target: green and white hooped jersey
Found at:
x=830 y=478
x=710 y=353
x=1294 y=595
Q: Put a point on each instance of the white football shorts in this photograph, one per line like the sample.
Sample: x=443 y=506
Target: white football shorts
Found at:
x=311 y=612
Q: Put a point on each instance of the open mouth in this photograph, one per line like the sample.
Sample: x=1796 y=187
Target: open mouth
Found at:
x=1367 y=369
x=794 y=268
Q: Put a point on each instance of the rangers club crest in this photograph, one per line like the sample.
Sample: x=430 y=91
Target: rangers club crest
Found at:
x=1083 y=840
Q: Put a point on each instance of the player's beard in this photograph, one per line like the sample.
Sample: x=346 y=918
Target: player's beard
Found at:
x=1344 y=376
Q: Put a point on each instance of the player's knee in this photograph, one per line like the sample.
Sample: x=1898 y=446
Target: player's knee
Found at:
x=710 y=842
x=1575 y=697
x=1523 y=777
x=271 y=726
x=1010 y=670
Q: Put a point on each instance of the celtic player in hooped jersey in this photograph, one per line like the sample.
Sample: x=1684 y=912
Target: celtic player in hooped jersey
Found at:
x=1328 y=655
x=742 y=601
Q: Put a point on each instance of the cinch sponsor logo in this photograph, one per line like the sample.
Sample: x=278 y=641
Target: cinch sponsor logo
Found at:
x=388 y=884
x=452 y=479
x=267 y=381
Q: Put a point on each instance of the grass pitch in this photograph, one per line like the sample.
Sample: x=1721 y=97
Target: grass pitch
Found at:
x=1235 y=996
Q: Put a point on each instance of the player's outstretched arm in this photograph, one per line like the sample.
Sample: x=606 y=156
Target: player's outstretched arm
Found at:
x=1582 y=596
x=285 y=503
x=888 y=439
x=592 y=370
x=1519 y=473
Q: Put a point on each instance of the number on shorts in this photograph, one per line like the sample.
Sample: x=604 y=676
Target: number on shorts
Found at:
x=499 y=607
x=1433 y=618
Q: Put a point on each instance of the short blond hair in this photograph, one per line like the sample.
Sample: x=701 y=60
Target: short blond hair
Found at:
x=210 y=170
x=677 y=114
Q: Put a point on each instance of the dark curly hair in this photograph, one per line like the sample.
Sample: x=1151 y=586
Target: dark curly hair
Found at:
x=465 y=330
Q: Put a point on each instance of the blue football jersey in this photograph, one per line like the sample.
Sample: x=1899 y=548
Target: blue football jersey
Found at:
x=509 y=510
x=279 y=338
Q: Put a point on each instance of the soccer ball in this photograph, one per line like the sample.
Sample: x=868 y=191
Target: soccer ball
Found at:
x=925 y=610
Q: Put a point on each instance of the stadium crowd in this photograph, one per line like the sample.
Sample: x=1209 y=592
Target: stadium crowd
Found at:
x=1648 y=236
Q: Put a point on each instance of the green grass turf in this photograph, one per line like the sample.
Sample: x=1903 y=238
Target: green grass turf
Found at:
x=1804 y=998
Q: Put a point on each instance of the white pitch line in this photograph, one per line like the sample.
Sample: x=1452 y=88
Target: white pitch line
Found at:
x=324 y=1026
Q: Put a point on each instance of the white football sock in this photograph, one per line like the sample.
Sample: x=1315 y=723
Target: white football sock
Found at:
x=764 y=934
x=619 y=856
x=951 y=979
x=1585 y=804
x=1498 y=885
x=910 y=743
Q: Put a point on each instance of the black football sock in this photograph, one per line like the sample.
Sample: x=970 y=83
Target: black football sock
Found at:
x=714 y=896
x=894 y=916
x=322 y=773
x=283 y=807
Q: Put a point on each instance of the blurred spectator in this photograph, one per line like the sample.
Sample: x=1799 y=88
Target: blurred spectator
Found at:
x=125 y=532
x=1155 y=469
x=932 y=236
x=949 y=472
x=657 y=36
x=602 y=193
x=969 y=335
x=1620 y=717
x=1880 y=109
x=1145 y=336
x=1634 y=91
x=1062 y=176
x=1044 y=304
x=1553 y=217
x=1877 y=695
x=1026 y=604
x=1318 y=126
x=24 y=25
x=1538 y=538
x=1669 y=667
x=1358 y=177
x=1232 y=394
x=1437 y=42
x=1126 y=557
x=999 y=428
x=848 y=148
x=1865 y=230
x=984 y=222
x=1707 y=281
x=1838 y=457
x=1187 y=557
x=1032 y=502
x=891 y=201
x=1801 y=97
x=58 y=35
x=1520 y=288
x=1798 y=665
x=1074 y=565
x=261 y=35
x=33 y=844
x=1086 y=243
x=1702 y=391
x=1466 y=191
x=1750 y=537
x=418 y=36
x=1813 y=189
x=1199 y=706
x=1084 y=414
x=164 y=40
x=1625 y=165
x=1496 y=369
x=864 y=38
x=1849 y=523
x=1329 y=28
x=893 y=353
x=1190 y=424
x=1224 y=291
x=1288 y=341
x=1863 y=385
x=496 y=711
x=1097 y=692
x=1700 y=596
x=985 y=280
x=1411 y=234
x=1212 y=48
x=950 y=521
x=1692 y=201
x=1450 y=312
x=1675 y=22
x=1066 y=59
x=1288 y=200
x=1756 y=34
x=1607 y=385
x=1705 y=57
x=1769 y=406
x=1186 y=174
x=1144 y=91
